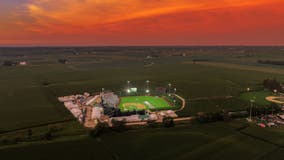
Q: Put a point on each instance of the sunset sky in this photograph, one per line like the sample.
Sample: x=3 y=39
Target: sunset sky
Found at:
x=141 y=22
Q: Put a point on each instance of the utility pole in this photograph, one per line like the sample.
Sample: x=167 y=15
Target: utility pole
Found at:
x=251 y=105
x=147 y=86
x=128 y=87
x=128 y=84
x=170 y=85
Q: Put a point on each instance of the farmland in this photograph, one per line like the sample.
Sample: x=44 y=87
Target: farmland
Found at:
x=214 y=141
x=211 y=79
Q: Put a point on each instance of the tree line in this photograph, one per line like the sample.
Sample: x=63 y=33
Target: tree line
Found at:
x=281 y=63
x=272 y=84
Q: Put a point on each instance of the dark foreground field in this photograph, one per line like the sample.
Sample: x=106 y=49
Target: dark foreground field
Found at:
x=188 y=141
x=209 y=78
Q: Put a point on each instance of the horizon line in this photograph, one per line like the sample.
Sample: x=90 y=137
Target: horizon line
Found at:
x=86 y=46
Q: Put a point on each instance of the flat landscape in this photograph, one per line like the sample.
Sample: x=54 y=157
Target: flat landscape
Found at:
x=211 y=79
x=188 y=141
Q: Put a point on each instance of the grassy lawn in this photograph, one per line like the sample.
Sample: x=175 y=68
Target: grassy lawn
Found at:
x=143 y=103
x=258 y=96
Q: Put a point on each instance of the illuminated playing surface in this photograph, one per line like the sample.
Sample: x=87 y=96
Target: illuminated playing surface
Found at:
x=143 y=103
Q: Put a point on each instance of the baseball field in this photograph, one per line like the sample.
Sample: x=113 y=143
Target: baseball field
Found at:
x=143 y=103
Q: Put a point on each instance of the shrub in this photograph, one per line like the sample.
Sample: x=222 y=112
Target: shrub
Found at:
x=168 y=122
x=152 y=124
x=99 y=130
x=118 y=125
x=9 y=63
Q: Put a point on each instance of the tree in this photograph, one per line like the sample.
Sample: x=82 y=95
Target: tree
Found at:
x=29 y=133
x=62 y=61
x=99 y=129
x=272 y=84
x=168 y=122
x=55 y=127
x=9 y=63
x=45 y=83
x=225 y=115
x=202 y=117
x=211 y=116
x=118 y=125
x=48 y=135
x=152 y=124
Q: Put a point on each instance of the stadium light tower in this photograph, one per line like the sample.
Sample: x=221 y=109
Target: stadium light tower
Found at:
x=170 y=85
x=147 y=86
x=147 y=82
x=251 y=105
x=275 y=91
x=128 y=87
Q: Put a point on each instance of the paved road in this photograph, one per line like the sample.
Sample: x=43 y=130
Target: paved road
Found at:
x=183 y=103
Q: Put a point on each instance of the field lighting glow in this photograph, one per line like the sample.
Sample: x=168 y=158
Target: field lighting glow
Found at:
x=147 y=91
x=128 y=91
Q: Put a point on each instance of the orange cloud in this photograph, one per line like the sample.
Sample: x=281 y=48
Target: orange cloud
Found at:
x=99 y=22
x=69 y=16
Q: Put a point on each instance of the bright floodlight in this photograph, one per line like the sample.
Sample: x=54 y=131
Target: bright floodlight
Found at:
x=128 y=91
x=133 y=89
x=248 y=89
x=147 y=91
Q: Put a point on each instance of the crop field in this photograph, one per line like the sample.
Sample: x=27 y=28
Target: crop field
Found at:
x=29 y=93
x=29 y=98
x=189 y=141
x=133 y=103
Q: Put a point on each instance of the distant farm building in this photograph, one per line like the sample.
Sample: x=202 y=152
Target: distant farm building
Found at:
x=23 y=63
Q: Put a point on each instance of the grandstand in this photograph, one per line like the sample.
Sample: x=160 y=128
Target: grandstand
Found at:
x=133 y=106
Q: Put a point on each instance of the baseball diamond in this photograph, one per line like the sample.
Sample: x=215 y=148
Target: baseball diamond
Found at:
x=143 y=103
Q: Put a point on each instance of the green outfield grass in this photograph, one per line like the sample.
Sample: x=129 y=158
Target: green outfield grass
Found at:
x=258 y=96
x=143 y=102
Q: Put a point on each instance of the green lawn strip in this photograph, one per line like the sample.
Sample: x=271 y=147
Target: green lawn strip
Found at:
x=258 y=96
